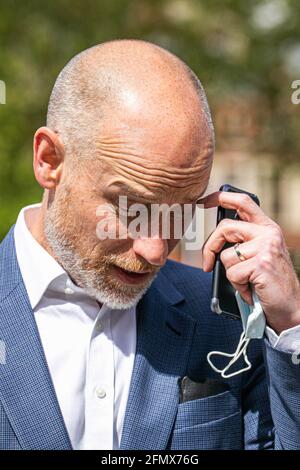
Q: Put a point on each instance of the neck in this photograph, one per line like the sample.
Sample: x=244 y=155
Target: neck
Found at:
x=35 y=221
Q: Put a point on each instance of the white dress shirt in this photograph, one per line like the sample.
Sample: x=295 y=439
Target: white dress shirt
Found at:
x=90 y=349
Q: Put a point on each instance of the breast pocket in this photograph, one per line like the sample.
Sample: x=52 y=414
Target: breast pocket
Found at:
x=213 y=422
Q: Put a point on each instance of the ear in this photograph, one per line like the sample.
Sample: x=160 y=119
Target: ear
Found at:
x=48 y=151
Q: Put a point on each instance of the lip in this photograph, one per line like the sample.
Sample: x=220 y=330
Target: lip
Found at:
x=130 y=278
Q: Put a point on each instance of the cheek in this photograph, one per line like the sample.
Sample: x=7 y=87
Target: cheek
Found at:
x=85 y=224
x=111 y=225
x=111 y=237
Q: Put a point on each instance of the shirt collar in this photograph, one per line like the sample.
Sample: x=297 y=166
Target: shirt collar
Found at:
x=38 y=268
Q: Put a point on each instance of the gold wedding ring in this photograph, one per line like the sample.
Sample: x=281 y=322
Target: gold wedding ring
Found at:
x=239 y=254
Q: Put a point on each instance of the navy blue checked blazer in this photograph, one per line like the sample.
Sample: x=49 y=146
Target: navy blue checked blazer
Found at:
x=176 y=330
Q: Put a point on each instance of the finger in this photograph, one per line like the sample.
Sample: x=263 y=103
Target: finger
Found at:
x=211 y=200
x=231 y=231
x=229 y=256
x=244 y=291
x=239 y=276
x=246 y=208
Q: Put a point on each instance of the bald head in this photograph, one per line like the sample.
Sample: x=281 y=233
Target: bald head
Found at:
x=124 y=77
x=126 y=119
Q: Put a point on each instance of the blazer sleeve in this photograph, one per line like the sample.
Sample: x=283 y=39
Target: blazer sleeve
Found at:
x=283 y=377
x=259 y=432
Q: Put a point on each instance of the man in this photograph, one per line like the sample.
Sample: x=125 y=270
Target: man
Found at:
x=106 y=340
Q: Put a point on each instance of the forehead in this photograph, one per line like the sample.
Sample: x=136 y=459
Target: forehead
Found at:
x=156 y=143
x=154 y=154
x=151 y=187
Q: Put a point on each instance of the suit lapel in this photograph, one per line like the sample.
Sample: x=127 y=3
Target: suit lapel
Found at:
x=26 y=390
x=164 y=337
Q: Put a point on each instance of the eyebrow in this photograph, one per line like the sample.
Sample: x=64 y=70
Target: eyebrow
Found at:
x=130 y=192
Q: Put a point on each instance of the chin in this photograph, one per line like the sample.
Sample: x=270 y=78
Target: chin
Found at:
x=117 y=296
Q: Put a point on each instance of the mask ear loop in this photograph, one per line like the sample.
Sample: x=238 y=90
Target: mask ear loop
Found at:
x=254 y=323
x=240 y=350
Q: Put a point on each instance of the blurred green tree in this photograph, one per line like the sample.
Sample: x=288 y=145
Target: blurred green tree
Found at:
x=236 y=47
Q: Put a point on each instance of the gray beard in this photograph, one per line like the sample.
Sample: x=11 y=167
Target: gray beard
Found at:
x=92 y=281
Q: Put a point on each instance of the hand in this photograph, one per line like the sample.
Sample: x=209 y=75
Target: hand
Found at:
x=268 y=265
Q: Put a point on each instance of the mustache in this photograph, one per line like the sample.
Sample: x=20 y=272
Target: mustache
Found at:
x=102 y=264
x=133 y=265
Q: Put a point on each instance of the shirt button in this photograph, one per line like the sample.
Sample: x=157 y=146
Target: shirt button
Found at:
x=100 y=393
x=69 y=291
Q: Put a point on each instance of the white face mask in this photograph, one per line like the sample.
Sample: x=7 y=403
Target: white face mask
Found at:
x=254 y=323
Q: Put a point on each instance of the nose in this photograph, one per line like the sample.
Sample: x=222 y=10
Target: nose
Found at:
x=153 y=250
